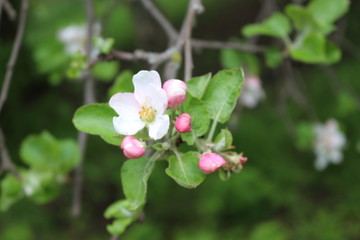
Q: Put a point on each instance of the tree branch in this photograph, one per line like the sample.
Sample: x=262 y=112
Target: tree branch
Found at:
x=89 y=97
x=160 y=18
x=198 y=43
x=9 y=9
x=6 y=163
x=14 y=53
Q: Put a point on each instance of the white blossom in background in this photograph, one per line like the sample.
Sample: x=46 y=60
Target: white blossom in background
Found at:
x=252 y=92
x=74 y=38
x=144 y=108
x=328 y=145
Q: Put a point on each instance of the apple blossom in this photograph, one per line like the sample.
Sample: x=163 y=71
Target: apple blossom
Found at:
x=175 y=91
x=211 y=162
x=328 y=144
x=252 y=92
x=183 y=123
x=144 y=107
x=74 y=38
x=132 y=147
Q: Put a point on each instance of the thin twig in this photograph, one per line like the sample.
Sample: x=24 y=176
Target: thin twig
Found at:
x=88 y=98
x=160 y=18
x=198 y=43
x=14 y=53
x=9 y=9
x=6 y=163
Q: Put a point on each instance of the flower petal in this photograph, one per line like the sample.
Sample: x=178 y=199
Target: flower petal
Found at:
x=127 y=126
x=152 y=96
x=159 y=127
x=125 y=105
x=145 y=78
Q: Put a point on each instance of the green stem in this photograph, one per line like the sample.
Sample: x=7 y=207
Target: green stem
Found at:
x=196 y=142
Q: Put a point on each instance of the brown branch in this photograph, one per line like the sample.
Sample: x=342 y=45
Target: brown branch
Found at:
x=6 y=163
x=14 y=53
x=89 y=97
x=160 y=18
x=198 y=43
x=9 y=9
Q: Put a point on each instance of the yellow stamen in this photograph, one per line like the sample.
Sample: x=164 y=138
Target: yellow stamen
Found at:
x=147 y=114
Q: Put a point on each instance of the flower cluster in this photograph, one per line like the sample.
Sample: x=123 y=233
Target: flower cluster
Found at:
x=329 y=142
x=252 y=92
x=147 y=108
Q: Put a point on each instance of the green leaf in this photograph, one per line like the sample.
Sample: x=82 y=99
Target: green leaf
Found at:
x=11 y=191
x=103 y=45
x=304 y=135
x=223 y=140
x=134 y=176
x=200 y=118
x=97 y=119
x=45 y=153
x=185 y=171
x=315 y=49
x=300 y=16
x=189 y=138
x=197 y=86
x=118 y=226
x=346 y=104
x=77 y=65
x=123 y=214
x=277 y=25
x=41 y=186
x=105 y=71
x=119 y=209
x=122 y=83
x=234 y=59
x=222 y=92
x=328 y=11
x=273 y=57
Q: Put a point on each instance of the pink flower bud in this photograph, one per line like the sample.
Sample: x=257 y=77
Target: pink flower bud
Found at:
x=183 y=123
x=132 y=147
x=243 y=160
x=175 y=91
x=211 y=162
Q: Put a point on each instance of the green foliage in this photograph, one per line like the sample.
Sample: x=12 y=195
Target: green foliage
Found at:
x=223 y=140
x=122 y=83
x=184 y=169
x=270 y=231
x=77 y=65
x=123 y=215
x=346 y=104
x=224 y=86
x=314 y=48
x=97 y=119
x=200 y=117
x=277 y=25
x=273 y=57
x=134 y=176
x=103 y=45
x=44 y=152
x=198 y=85
x=236 y=59
x=11 y=191
x=304 y=135
x=105 y=71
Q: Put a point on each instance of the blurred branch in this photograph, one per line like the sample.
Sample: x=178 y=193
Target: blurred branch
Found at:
x=198 y=43
x=14 y=53
x=195 y=7
x=6 y=163
x=8 y=8
x=160 y=18
x=89 y=97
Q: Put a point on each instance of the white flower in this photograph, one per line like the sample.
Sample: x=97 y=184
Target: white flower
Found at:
x=74 y=38
x=329 y=142
x=144 y=107
x=252 y=92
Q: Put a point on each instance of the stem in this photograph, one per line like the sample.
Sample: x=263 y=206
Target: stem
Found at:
x=196 y=142
x=14 y=53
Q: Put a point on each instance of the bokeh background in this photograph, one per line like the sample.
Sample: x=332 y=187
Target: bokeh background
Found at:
x=278 y=196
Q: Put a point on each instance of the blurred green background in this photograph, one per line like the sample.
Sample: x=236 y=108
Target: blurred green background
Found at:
x=278 y=196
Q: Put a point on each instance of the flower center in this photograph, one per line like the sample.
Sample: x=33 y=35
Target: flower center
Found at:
x=147 y=114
